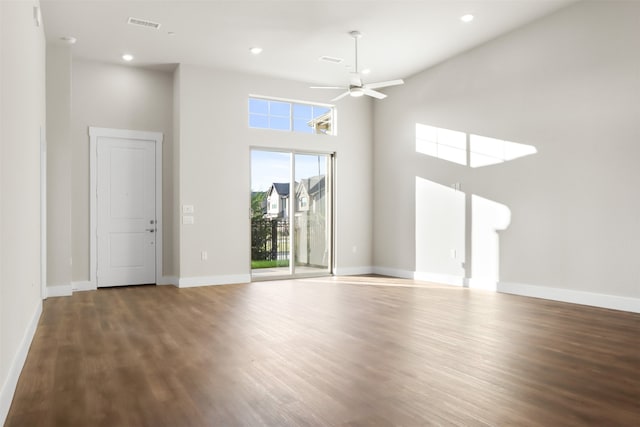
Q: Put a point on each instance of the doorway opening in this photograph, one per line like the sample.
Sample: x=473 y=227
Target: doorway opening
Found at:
x=291 y=214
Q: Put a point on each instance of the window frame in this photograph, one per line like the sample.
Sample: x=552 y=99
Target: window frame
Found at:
x=292 y=103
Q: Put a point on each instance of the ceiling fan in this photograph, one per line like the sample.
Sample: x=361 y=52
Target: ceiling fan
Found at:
x=356 y=87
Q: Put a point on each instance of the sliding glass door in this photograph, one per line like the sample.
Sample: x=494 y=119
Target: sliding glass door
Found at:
x=311 y=214
x=291 y=213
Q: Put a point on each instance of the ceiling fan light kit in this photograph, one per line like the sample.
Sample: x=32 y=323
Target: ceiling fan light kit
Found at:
x=356 y=92
x=356 y=87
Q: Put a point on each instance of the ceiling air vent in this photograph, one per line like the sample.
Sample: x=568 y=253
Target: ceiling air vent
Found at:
x=330 y=59
x=143 y=23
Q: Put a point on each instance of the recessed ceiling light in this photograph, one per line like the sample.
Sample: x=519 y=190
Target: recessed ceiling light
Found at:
x=255 y=50
x=366 y=71
x=127 y=57
x=467 y=18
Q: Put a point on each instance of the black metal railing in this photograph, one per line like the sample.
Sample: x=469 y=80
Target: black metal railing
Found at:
x=269 y=239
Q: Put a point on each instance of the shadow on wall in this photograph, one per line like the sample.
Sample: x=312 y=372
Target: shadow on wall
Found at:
x=442 y=237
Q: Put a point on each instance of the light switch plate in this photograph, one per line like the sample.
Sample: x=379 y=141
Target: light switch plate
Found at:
x=187 y=209
x=187 y=219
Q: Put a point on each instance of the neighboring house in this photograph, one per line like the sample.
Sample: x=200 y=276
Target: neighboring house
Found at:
x=310 y=236
x=278 y=200
x=322 y=123
x=310 y=194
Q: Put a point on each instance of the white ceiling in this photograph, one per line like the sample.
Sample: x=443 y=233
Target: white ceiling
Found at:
x=400 y=37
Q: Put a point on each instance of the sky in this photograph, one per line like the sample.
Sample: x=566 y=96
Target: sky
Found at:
x=268 y=167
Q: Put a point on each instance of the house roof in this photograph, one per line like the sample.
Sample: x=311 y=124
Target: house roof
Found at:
x=282 y=188
x=312 y=184
x=322 y=123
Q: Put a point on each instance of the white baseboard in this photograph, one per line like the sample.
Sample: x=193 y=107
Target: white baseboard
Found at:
x=59 y=291
x=84 y=285
x=353 y=271
x=67 y=290
x=576 y=297
x=190 y=282
x=441 y=279
x=168 y=280
x=444 y=279
x=9 y=386
x=485 y=284
x=393 y=272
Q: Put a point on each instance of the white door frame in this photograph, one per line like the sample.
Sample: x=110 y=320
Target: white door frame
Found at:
x=95 y=134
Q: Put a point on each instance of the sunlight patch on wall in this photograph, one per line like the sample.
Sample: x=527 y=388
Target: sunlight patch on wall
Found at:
x=454 y=146
x=440 y=229
x=485 y=151
x=487 y=217
x=442 y=143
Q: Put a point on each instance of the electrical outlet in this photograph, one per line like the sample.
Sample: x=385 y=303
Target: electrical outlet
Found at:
x=204 y=255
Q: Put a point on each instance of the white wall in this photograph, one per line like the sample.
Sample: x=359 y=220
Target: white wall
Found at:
x=22 y=115
x=214 y=144
x=122 y=97
x=59 y=155
x=567 y=84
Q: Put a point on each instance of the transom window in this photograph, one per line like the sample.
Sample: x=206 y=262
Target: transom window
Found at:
x=265 y=113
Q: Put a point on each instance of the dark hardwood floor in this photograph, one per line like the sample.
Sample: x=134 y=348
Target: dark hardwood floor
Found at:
x=348 y=351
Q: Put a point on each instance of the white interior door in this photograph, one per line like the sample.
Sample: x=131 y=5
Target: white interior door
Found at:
x=126 y=212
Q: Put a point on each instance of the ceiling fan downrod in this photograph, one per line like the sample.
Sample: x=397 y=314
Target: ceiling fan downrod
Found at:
x=356 y=35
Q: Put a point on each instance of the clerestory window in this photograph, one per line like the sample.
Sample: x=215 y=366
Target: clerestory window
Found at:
x=291 y=116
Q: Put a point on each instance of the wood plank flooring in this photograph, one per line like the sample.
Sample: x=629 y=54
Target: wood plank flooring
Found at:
x=347 y=352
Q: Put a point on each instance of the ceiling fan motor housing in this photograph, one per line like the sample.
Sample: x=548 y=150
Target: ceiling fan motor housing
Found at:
x=357 y=88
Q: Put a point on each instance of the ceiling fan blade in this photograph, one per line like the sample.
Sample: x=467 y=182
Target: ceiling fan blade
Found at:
x=374 y=93
x=385 y=84
x=340 y=96
x=327 y=87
